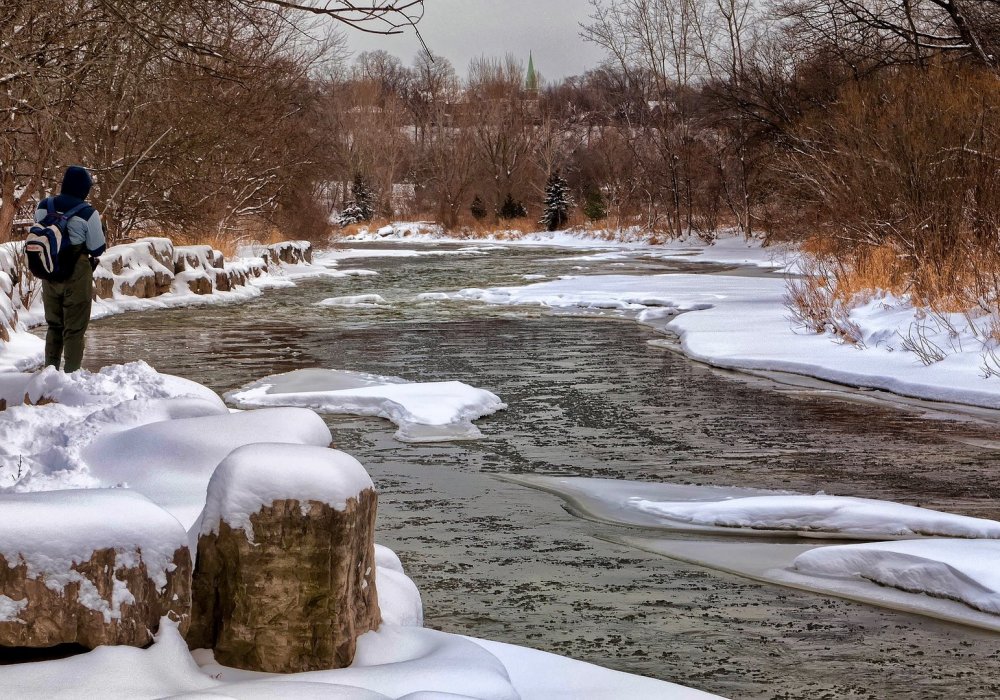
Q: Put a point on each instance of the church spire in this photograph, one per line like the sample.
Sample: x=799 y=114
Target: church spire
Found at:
x=531 y=79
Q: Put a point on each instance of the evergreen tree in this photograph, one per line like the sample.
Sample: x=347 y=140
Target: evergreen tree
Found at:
x=512 y=209
x=364 y=198
x=558 y=202
x=478 y=208
x=594 y=207
x=362 y=208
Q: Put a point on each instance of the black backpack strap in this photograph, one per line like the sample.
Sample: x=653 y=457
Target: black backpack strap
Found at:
x=50 y=205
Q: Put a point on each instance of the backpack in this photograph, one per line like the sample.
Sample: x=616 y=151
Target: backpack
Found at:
x=50 y=255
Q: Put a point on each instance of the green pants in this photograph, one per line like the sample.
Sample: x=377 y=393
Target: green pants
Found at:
x=67 y=311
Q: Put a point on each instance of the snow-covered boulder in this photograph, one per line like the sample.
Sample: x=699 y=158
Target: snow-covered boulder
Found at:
x=90 y=567
x=142 y=269
x=285 y=574
x=289 y=253
x=172 y=461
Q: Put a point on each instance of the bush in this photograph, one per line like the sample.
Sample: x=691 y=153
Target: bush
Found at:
x=512 y=209
x=906 y=160
x=594 y=207
x=478 y=208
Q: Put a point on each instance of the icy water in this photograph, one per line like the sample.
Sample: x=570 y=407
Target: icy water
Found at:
x=589 y=397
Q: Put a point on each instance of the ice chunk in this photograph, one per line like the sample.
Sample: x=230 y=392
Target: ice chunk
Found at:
x=424 y=411
x=362 y=300
x=959 y=570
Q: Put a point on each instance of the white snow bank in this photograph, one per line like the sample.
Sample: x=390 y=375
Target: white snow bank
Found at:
x=50 y=532
x=40 y=446
x=171 y=462
x=23 y=351
x=398 y=597
x=538 y=675
x=959 y=570
x=742 y=323
x=728 y=247
x=257 y=475
x=394 y=662
x=855 y=517
x=424 y=411
x=362 y=300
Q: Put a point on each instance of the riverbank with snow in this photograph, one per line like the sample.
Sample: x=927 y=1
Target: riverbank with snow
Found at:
x=85 y=433
x=744 y=323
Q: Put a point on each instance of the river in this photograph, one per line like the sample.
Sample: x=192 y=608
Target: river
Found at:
x=588 y=396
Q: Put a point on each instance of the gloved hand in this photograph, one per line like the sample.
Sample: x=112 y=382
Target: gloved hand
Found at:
x=94 y=262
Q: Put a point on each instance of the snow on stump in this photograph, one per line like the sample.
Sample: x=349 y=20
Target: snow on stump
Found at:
x=285 y=573
x=90 y=567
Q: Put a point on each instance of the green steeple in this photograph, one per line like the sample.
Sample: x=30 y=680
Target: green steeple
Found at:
x=531 y=80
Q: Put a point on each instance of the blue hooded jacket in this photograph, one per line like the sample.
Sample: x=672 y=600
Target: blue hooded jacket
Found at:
x=85 y=227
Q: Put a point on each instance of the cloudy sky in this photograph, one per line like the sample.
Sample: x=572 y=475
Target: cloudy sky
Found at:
x=461 y=30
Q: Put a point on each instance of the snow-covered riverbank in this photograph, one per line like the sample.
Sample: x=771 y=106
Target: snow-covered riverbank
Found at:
x=93 y=430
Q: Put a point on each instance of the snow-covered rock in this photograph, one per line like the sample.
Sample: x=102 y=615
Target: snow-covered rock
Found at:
x=424 y=411
x=41 y=445
x=285 y=579
x=172 y=461
x=90 y=567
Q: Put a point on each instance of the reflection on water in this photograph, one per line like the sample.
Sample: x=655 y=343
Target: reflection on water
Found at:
x=590 y=397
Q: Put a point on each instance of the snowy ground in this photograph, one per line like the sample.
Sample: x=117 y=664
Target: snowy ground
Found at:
x=728 y=248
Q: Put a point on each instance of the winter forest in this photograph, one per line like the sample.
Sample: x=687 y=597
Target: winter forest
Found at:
x=400 y=375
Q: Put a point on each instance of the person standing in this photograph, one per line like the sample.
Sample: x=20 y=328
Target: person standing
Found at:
x=67 y=304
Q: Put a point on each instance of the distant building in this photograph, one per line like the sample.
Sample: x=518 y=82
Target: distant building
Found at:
x=531 y=78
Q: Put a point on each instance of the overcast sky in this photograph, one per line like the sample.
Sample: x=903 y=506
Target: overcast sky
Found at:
x=461 y=30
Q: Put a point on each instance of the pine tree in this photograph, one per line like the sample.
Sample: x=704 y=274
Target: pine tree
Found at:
x=558 y=202
x=362 y=208
x=595 y=208
x=512 y=209
x=363 y=197
x=478 y=208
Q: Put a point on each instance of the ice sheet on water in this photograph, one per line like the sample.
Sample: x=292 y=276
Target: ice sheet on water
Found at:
x=962 y=570
x=942 y=578
x=750 y=511
x=424 y=411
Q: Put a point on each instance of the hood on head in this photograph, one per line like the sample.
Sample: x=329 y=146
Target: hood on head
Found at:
x=77 y=182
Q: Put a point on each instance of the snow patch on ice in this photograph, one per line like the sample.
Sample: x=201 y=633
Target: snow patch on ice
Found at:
x=424 y=411
x=357 y=300
x=857 y=517
x=959 y=570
